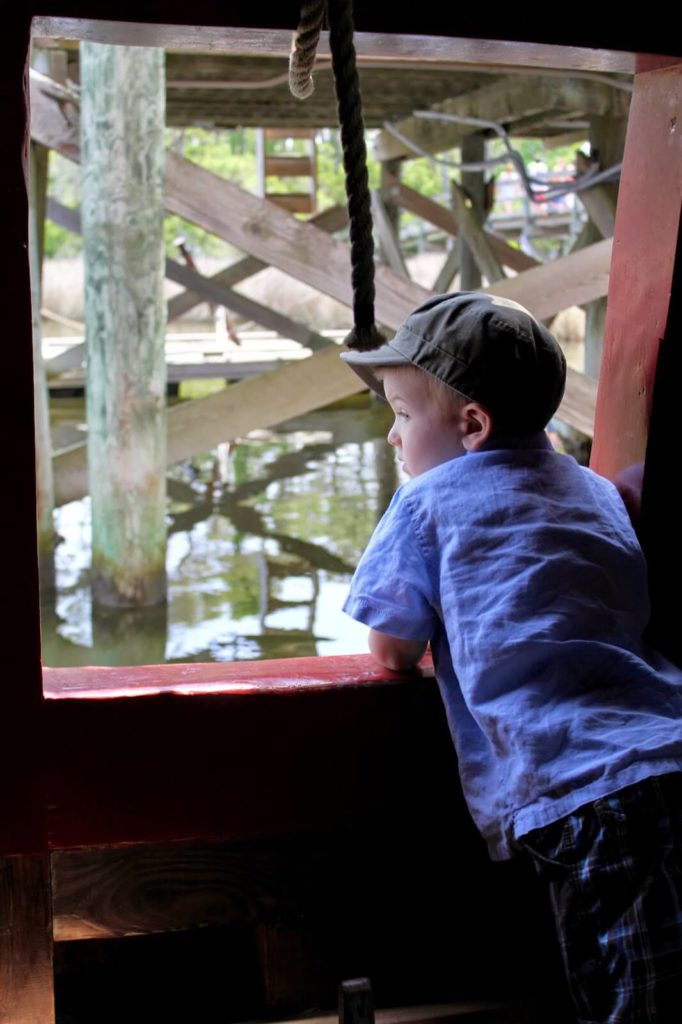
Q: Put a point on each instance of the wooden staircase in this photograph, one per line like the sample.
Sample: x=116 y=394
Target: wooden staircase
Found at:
x=288 y=165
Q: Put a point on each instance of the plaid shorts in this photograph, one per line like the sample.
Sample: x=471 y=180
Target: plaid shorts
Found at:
x=614 y=870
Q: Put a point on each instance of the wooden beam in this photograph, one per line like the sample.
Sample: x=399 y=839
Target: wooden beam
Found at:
x=287 y=166
x=323 y=378
x=577 y=408
x=569 y=281
x=607 y=142
x=246 y=307
x=579 y=402
x=292 y=202
x=259 y=402
x=39 y=164
x=26 y=985
x=468 y=204
x=475 y=238
x=106 y=893
x=255 y=226
x=388 y=237
x=331 y=220
x=425 y=49
x=504 y=102
x=55 y=123
x=235 y=370
x=305 y=252
x=162 y=887
x=69 y=359
x=44 y=481
x=261 y=229
x=448 y=270
x=65 y=216
x=444 y=219
x=600 y=207
x=203 y=288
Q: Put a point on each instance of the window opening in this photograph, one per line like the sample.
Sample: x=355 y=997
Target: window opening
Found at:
x=264 y=526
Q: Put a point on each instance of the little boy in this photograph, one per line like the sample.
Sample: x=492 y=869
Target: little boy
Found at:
x=522 y=571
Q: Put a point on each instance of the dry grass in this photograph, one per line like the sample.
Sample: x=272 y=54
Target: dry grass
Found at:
x=63 y=294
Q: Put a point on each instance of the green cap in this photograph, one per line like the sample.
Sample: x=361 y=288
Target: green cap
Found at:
x=488 y=348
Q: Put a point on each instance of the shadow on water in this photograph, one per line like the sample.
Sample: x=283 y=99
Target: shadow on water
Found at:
x=263 y=538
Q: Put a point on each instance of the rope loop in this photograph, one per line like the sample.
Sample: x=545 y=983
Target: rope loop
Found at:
x=304 y=48
x=365 y=334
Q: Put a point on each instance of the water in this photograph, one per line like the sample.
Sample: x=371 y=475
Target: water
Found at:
x=263 y=538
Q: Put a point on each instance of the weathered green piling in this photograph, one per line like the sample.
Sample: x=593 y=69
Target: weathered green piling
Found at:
x=122 y=122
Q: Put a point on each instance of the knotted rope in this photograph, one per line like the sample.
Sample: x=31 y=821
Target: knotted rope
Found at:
x=304 y=48
x=364 y=334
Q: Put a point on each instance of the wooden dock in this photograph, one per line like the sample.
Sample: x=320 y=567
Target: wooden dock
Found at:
x=189 y=356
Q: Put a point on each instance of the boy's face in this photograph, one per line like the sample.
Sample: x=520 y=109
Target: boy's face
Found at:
x=424 y=433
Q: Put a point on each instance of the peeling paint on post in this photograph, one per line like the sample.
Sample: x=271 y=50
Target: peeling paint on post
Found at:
x=122 y=122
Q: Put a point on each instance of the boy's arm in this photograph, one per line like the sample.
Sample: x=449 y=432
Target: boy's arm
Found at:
x=394 y=653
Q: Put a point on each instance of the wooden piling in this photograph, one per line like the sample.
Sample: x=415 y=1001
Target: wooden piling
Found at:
x=122 y=121
x=473 y=151
x=44 y=480
x=607 y=139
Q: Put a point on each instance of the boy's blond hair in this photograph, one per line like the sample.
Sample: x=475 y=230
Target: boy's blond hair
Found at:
x=448 y=401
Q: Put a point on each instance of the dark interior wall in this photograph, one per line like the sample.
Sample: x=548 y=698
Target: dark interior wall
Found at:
x=357 y=857
x=411 y=946
x=660 y=495
x=20 y=693
x=20 y=684
x=587 y=26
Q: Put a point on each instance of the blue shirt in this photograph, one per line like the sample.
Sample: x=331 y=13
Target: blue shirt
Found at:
x=523 y=571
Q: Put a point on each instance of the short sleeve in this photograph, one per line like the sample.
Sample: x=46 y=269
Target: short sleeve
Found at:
x=391 y=590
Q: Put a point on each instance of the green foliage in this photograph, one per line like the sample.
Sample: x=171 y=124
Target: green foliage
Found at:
x=64 y=185
x=200 y=388
x=229 y=154
x=232 y=154
x=424 y=176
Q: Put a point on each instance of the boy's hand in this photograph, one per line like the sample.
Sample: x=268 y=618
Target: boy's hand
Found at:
x=394 y=653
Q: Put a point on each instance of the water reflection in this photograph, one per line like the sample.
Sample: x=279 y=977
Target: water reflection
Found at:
x=262 y=540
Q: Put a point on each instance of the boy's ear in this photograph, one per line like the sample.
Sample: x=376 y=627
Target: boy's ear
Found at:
x=477 y=426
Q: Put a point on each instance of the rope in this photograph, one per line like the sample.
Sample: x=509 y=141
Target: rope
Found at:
x=304 y=48
x=364 y=334
x=340 y=12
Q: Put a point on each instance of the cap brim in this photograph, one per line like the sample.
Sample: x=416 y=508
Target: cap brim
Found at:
x=365 y=364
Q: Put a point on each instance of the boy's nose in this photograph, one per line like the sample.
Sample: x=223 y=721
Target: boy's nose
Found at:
x=393 y=436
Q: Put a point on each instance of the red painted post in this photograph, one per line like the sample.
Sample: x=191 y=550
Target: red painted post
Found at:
x=644 y=248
